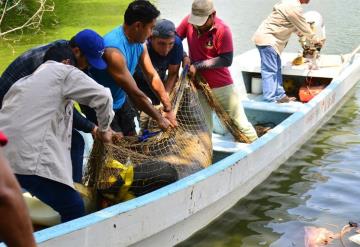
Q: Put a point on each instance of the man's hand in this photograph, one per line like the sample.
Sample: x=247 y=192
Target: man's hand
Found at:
x=192 y=72
x=171 y=117
x=93 y=131
x=116 y=136
x=186 y=61
x=319 y=42
x=163 y=123
x=104 y=136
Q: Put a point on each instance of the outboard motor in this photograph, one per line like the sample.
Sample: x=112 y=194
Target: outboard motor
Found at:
x=315 y=20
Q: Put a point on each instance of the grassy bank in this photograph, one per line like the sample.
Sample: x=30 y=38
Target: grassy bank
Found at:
x=68 y=18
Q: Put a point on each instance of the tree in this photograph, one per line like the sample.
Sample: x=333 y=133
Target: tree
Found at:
x=18 y=15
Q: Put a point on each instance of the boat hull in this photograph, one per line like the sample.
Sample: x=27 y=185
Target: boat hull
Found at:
x=173 y=213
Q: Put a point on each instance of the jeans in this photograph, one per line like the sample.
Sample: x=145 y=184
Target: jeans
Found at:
x=272 y=82
x=62 y=198
x=77 y=155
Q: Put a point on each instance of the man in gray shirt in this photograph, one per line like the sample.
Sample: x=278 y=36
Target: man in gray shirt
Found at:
x=37 y=118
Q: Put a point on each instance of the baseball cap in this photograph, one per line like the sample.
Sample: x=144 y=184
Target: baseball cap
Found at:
x=92 y=46
x=164 y=29
x=200 y=11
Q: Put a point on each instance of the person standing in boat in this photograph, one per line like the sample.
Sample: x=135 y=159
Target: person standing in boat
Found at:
x=124 y=51
x=271 y=38
x=15 y=224
x=40 y=132
x=166 y=53
x=84 y=44
x=211 y=53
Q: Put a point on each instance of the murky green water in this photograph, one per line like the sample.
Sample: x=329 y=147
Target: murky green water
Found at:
x=318 y=186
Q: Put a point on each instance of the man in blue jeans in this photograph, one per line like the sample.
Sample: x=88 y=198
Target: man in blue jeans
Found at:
x=271 y=38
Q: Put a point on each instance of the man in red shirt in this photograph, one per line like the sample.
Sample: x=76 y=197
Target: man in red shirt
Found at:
x=15 y=224
x=211 y=53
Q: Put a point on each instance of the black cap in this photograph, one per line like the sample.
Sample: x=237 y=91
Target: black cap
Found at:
x=164 y=29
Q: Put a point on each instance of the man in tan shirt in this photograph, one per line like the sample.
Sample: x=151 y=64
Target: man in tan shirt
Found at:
x=271 y=38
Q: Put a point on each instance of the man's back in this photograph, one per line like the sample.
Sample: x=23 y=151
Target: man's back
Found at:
x=285 y=18
x=37 y=117
x=24 y=65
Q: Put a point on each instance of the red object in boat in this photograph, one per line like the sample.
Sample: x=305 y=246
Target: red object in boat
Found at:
x=306 y=93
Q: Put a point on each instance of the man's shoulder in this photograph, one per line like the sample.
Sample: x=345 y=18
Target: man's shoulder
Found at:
x=178 y=43
x=221 y=27
x=36 y=54
x=288 y=5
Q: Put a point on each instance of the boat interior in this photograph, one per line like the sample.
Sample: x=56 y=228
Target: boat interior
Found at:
x=247 y=74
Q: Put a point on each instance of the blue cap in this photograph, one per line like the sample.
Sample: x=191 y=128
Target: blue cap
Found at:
x=92 y=46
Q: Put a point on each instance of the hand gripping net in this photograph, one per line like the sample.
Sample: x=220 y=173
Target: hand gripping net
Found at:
x=177 y=152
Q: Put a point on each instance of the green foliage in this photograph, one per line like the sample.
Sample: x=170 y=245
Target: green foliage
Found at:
x=18 y=12
x=68 y=18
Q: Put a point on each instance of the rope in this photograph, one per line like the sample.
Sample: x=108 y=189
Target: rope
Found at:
x=221 y=113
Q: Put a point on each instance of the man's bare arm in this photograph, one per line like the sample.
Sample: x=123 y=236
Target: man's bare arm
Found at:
x=118 y=70
x=173 y=74
x=154 y=79
x=157 y=86
x=15 y=224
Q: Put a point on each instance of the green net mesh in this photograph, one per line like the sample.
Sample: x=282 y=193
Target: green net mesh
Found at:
x=183 y=150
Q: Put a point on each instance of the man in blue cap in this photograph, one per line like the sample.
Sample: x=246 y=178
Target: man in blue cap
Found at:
x=166 y=53
x=87 y=48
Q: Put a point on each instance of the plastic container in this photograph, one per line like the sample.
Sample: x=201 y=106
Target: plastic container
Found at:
x=256 y=85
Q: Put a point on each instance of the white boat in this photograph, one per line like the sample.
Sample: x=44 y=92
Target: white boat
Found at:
x=173 y=213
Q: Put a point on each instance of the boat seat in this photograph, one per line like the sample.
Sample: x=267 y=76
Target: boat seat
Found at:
x=256 y=102
x=225 y=143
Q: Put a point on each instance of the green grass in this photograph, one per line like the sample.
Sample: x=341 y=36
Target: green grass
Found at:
x=69 y=17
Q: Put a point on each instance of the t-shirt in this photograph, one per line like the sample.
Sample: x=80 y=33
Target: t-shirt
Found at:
x=131 y=51
x=216 y=41
x=161 y=64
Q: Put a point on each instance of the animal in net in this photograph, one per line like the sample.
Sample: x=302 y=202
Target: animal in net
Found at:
x=160 y=159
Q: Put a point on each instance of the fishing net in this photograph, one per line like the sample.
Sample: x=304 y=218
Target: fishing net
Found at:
x=133 y=166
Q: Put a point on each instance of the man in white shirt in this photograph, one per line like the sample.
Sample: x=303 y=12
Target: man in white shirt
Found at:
x=271 y=38
x=37 y=118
